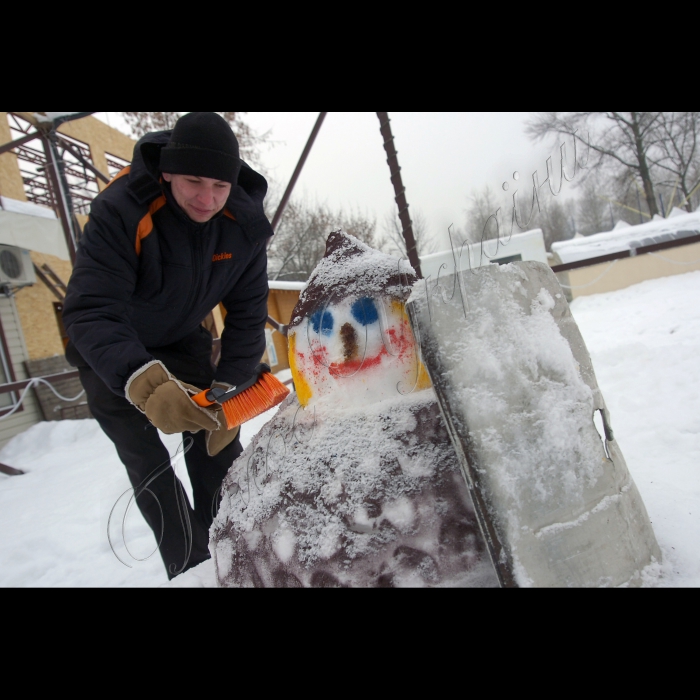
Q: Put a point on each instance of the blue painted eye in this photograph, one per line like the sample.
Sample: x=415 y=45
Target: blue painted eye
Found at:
x=365 y=312
x=322 y=325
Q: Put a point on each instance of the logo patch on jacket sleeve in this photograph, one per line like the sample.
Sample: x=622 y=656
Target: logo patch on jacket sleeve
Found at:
x=218 y=257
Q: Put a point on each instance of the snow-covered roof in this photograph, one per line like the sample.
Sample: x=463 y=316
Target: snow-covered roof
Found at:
x=287 y=286
x=53 y=116
x=679 y=224
x=31 y=227
x=28 y=208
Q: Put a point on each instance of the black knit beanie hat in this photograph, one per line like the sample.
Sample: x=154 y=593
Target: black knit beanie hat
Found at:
x=202 y=145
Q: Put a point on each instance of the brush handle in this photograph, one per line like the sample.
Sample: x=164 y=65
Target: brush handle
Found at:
x=202 y=399
x=207 y=397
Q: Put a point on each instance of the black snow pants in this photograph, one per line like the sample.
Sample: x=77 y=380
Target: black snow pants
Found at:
x=143 y=454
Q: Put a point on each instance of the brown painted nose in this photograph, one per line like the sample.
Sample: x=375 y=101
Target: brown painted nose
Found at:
x=349 y=337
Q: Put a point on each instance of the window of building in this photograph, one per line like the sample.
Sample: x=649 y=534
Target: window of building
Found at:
x=115 y=164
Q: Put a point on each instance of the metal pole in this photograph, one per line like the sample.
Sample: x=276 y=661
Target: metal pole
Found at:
x=10 y=471
x=290 y=188
x=79 y=156
x=19 y=142
x=59 y=188
x=400 y=190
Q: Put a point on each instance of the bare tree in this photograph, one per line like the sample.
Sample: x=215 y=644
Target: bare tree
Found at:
x=142 y=123
x=679 y=157
x=394 y=242
x=488 y=219
x=300 y=240
x=557 y=222
x=594 y=212
x=483 y=216
x=626 y=139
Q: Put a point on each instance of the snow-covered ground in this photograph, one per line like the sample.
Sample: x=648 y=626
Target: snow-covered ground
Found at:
x=644 y=341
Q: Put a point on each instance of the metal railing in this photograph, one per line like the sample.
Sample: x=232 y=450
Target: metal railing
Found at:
x=50 y=379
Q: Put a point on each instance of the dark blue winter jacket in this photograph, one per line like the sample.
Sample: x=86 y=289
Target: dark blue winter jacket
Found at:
x=146 y=275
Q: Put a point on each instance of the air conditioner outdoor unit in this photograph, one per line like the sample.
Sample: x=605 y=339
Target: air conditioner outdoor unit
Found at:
x=16 y=267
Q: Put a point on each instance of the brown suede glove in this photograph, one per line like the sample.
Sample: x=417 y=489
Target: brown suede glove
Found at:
x=217 y=440
x=166 y=401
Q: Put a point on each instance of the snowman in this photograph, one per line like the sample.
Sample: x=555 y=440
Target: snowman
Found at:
x=354 y=482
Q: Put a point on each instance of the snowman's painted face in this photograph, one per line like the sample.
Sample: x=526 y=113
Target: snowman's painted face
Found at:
x=359 y=349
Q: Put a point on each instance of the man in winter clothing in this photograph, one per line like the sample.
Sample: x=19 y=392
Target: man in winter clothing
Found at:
x=180 y=231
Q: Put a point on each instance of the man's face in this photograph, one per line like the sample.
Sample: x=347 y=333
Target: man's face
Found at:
x=201 y=198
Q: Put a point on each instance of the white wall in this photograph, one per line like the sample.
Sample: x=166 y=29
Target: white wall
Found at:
x=528 y=245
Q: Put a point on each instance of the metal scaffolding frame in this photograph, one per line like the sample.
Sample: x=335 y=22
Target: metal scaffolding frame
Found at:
x=57 y=171
x=62 y=176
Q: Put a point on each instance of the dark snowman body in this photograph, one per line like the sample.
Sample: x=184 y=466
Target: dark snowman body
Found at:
x=367 y=496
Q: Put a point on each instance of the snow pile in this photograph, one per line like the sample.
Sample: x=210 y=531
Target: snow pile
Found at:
x=679 y=225
x=53 y=519
x=362 y=498
x=644 y=342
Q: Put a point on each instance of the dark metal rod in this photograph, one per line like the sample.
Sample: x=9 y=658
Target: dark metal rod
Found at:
x=591 y=261
x=59 y=190
x=279 y=327
x=77 y=154
x=400 y=190
x=10 y=471
x=300 y=166
x=675 y=243
x=51 y=379
x=57 y=280
x=44 y=278
x=19 y=142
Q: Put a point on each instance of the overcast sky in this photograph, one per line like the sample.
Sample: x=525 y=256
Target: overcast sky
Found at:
x=444 y=157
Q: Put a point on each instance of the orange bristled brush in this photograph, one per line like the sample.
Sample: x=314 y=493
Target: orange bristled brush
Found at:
x=246 y=401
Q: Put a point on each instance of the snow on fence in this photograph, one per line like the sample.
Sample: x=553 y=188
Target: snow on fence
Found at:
x=630 y=266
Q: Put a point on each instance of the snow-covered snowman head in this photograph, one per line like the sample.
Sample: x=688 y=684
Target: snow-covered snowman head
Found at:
x=350 y=340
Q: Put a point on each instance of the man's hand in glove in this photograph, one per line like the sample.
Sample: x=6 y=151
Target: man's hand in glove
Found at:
x=167 y=402
x=217 y=440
